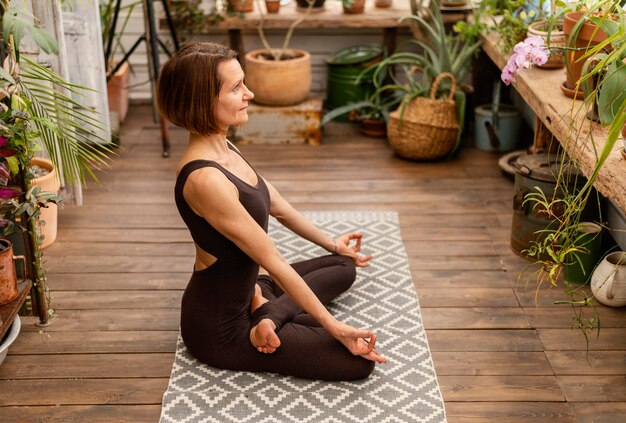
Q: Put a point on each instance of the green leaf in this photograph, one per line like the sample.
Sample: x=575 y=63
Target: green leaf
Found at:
x=612 y=92
x=44 y=40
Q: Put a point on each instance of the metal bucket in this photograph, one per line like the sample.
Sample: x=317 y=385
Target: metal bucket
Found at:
x=344 y=68
x=539 y=171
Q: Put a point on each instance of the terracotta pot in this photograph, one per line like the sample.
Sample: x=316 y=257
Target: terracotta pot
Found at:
x=374 y=128
x=355 y=6
x=48 y=182
x=556 y=59
x=382 y=4
x=585 y=39
x=8 y=279
x=272 y=6
x=242 y=6
x=278 y=82
x=117 y=91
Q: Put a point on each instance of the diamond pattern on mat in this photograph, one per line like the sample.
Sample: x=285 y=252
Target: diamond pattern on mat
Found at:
x=382 y=298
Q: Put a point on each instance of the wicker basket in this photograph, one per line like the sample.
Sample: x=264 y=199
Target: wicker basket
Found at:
x=429 y=128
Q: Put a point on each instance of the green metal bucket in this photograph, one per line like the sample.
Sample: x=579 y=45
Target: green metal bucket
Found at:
x=344 y=68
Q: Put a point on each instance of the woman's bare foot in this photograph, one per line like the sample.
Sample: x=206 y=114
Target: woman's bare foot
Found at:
x=263 y=336
x=258 y=299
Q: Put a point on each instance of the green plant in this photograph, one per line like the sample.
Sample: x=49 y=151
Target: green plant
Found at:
x=561 y=243
x=377 y=106
x=39 y=112
x=411 y=74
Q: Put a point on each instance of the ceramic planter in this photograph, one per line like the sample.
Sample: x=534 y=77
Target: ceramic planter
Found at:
x=10 y=338
x=556 y=59
x=374 y=128
x=353 y=7
x=608 y=283
x=581 y=264
x=272 y=6
x=588 y=36
x=8 y=279
x=48 y=182
x=278 y=82
x=242 y=6
x=117 y=91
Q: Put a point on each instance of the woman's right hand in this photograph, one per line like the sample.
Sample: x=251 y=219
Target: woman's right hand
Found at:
x=358 y=341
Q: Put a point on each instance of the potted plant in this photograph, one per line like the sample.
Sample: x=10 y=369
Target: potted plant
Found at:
x=372 y=113
x=353 y=7
x=37 y=112
x=279 y=77
x=413 y=74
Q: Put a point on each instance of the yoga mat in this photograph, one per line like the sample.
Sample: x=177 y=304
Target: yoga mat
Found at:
x=382 y=298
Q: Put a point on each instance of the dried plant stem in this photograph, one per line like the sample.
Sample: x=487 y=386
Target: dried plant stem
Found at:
x=279 y=53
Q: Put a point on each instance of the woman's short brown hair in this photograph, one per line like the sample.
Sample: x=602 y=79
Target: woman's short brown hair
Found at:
x=189 y=86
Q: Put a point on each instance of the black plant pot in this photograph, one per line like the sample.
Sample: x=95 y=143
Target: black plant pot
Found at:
x=303 y=4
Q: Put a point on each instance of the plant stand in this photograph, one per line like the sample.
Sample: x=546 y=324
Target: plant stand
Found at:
x=298 y=124
x=9 y=311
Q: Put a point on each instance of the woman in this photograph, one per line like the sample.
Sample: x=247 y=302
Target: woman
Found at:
x=234 y=315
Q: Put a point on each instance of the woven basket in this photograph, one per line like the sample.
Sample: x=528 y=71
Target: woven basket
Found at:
x=429 y=127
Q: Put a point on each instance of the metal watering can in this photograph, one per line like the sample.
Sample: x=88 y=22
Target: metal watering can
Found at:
x=608 y=282
x=8 y=279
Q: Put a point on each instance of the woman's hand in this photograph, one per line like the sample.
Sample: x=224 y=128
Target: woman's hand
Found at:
x=358 y=341
x=343 y=247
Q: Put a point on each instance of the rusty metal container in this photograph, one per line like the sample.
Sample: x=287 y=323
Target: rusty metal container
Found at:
x=539 y=171
x=8 y=279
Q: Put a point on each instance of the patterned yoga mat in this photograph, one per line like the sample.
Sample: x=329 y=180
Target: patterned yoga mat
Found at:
x=382 y=298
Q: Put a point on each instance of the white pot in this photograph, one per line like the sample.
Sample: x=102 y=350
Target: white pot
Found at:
x=608 y=282
x=11 y=336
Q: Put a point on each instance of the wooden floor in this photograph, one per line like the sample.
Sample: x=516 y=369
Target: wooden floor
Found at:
x=121 y=261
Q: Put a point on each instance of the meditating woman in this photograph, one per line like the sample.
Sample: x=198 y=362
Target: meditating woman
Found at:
x=234 y=314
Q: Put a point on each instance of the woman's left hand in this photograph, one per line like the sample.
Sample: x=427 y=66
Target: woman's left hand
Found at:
x=343 y=248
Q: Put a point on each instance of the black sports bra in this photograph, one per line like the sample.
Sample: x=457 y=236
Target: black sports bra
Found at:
x=256 y=200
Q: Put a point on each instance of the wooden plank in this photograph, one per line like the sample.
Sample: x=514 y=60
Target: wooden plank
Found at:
x=572 y=339
x=82 y=391
x=491 y=363
x=113 y=281
x=112 y=249
x=460 y=278
x=112 y=300
x=561 y=316
x=466 y=297
x=509 y=412
x=593 y=388
x=588 y=362
x=474 y=318
x=119 y=264
x=504 y=388
x=127 y=341
x=450 y=248
x=483 y=340
x=160 y=319
x=124 y=235
x=91 y=414
x=454 y=263
x=89 y=366
x=600 y=412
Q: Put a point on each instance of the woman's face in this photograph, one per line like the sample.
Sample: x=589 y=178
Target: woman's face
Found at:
x=234 y=96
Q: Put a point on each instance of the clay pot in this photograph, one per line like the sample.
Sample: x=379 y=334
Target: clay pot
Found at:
x=242 y=6
x=278 y=82
x=272 y=6
x=382 y=4
x=117 y=91
x=374 y=128
x=48 y=182
x=556 y=59
x=585 y=40
x=354 y=7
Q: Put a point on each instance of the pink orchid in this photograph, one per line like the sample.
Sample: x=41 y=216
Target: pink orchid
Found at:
x=531 y=51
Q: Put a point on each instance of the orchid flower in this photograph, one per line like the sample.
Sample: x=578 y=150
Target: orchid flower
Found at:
x=531 y=51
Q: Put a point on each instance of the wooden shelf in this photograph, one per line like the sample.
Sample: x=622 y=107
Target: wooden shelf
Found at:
x=9 y=311
x=332 y=17
x=582 y=139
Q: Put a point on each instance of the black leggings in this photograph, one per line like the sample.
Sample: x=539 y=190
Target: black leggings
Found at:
x=307 y=350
